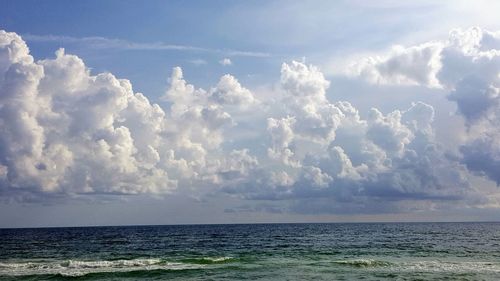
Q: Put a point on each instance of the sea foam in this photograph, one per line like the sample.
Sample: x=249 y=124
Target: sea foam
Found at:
x=83 y=267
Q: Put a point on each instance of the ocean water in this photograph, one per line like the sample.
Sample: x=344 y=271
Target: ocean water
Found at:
x=365 y=251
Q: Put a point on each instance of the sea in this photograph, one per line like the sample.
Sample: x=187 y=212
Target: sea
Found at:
x=336 y=251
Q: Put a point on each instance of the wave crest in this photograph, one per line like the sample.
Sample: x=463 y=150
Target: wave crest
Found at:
x=81 y=267
x=364 y=263
x=209 y=260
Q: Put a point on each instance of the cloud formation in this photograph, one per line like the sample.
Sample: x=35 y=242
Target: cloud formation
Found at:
x=326 y=150
x=416 y=65
x=467 y=64
x=65 y=132
x=439 y=64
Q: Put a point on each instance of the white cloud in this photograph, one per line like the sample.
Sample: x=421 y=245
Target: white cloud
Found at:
x=198 y=62
x=387 y=132
x=282 y=135
x=306 y=100
x=326 y=150
x=417 y=65
x=467 y=64
x=225 y=61
x=65 y=131
x=436 y=63
x=119 y=44
x=229 y=92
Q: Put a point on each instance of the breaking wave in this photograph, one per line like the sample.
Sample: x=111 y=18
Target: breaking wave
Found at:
x=76 y=268
x=452 y=267
x=209 y=260
x=425 y=266
x=81 y=268
x=363 y=263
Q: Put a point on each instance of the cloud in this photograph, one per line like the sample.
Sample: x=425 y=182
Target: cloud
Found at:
x=198 y=62
x=417 y=65
x=229 y=92
x=282 y=136
x=97 y=42
x=322 y=149
x=306 y=100
x=225 y=61
x=66 y=132
x=467 y=64
x=444 y=63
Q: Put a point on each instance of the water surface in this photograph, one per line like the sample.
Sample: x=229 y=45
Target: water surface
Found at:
x=370 y=251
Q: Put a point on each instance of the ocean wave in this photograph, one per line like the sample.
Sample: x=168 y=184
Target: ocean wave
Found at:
x=76 y=268
x=363 y=263
x=452 y=267
x=80 y=268
x=209 y=260
x=114 y=263
x=425 y=266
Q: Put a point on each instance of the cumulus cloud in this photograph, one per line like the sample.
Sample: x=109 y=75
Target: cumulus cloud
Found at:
x=306 y=100
x=417 y=65
x=470 y=52
x=324 y=149
x=65 y=131
x=467 y=64
x=229 y=92
x=282 y=135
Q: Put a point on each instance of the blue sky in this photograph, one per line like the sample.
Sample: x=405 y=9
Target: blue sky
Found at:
x=320 y=31
x=262 y=137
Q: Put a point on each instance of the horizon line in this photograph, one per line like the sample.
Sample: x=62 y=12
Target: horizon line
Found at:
x=252 y=223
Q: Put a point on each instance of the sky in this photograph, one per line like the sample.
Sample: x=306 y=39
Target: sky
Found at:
x=127 y=113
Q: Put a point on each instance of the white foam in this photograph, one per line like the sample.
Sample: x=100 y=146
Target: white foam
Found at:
x=426 y=265
x=449 y=266
x=218 y=259
x=363 y=262
x=80 y=268
x=115 y=263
